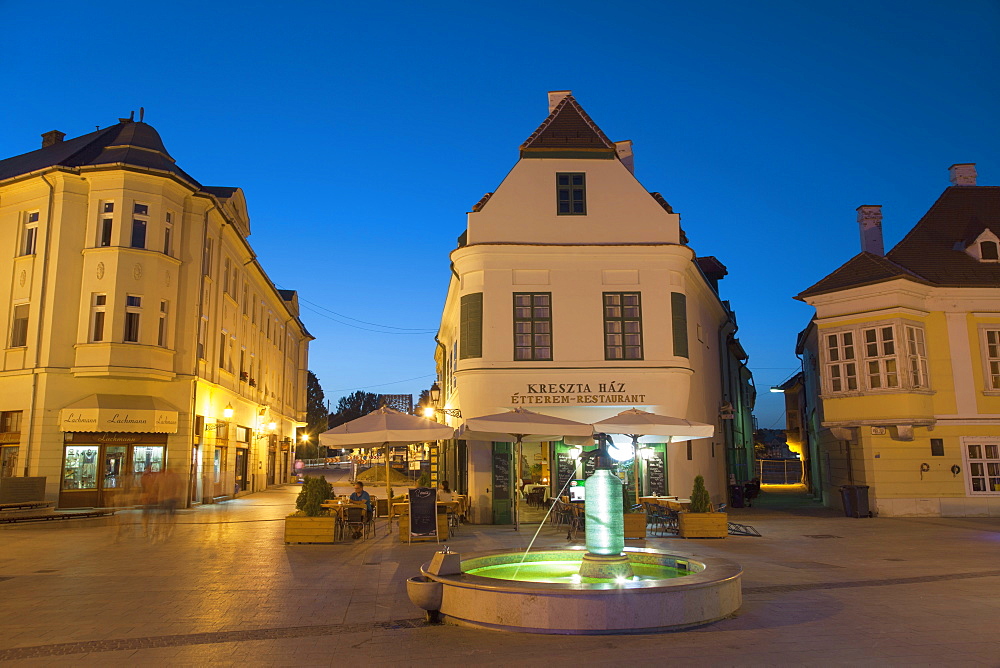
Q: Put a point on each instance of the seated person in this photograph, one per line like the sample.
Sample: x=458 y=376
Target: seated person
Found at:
x=360 y=495
x=444 y=493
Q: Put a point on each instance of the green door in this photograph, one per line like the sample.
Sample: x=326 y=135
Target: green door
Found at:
x=502 y=484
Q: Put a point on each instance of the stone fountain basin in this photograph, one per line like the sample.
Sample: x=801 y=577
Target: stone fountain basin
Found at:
x=711 y=592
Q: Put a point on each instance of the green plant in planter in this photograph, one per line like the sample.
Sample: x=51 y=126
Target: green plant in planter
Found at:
x=701 y=502
x=315 y=490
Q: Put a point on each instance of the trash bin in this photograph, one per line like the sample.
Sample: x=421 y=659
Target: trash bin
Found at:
x=855 y=498
x=735 y=496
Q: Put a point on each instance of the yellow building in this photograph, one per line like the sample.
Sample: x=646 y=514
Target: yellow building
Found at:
x=904 y=356
x=140 y=330
x=574 y=293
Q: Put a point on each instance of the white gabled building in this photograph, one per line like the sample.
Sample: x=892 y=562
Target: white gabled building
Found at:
x=140 y=332
x=574 y=293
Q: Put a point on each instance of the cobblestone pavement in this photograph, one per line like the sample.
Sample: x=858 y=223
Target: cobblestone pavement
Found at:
x=221 y=588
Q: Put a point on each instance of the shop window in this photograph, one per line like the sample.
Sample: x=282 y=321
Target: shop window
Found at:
x=8 y=461
x=983 y=466
x=140 y=220
x=29 y=233
x=622 y=326
x=19 y=326
x=114 y=471
x=80 y=467
x=532 y=326
x=571 y=193
x=471 y=326
x=218 y=465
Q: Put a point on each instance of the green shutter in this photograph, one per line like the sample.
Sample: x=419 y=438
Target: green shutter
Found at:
x=471 y=326
x=678 y=309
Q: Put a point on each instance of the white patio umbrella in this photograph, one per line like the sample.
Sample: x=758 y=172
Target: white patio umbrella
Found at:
x=523 y=426
x=635 y=423
x=385 y=428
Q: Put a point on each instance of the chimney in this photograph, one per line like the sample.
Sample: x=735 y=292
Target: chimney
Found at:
x=52 y=137
x=870 y=224
x=557 y=96
x=963 y=174
x=624 y=150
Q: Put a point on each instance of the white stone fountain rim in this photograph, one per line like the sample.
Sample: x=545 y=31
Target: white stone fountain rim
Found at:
x=716 y=571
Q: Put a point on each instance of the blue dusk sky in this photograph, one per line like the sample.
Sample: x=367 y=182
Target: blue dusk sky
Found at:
x=362 y=133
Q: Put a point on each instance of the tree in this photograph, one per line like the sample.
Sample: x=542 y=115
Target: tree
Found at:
x=423 y=402
x=316 y=417
x=354 y=406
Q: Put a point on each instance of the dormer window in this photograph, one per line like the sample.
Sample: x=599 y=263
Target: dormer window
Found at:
x=985 y=247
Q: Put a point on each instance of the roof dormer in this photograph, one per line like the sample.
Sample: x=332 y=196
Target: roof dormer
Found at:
x=985 y=247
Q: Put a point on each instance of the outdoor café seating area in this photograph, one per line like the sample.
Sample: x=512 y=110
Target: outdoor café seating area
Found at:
x=352 y=521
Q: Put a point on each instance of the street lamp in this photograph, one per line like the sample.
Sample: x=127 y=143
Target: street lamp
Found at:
x=227 y=412
x=435 y=396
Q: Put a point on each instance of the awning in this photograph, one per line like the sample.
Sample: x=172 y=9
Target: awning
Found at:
x=119 y=412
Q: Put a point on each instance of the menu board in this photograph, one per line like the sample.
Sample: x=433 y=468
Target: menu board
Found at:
x=565 y=469
x=423 y=511
x=501 y=476
x=655 y=471
x=589 y=466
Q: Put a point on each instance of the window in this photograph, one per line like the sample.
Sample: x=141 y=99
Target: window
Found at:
x=571 y=194
x=471 y=326
x=880 y=358
x=10 y=421
x=245 y=300
x=983 y=464
x=222 y=350
x=202 y=337
x=140 y=217
x=532 y=326
x=842 y=370
x=679 y=323
x=885 y=357
x=206 y=259
x=168 y=232
x=622 y=326
x=937 y=447
x=992 y=358
x=225 y=275
x=133 y=309
x=98 y=307
x=161 y=330
x=19 y=326
x=29 y=234
x=988 y=250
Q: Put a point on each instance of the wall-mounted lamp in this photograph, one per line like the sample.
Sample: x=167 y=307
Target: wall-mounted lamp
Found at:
x=271 y=426
x=227 y=412
x=435 y=396
x=305 y=438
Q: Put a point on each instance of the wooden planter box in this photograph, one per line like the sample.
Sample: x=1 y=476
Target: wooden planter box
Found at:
x=703 y=525
x=302 y=529
x=635 y=526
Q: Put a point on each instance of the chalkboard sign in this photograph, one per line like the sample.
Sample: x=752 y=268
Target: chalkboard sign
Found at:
x=657 y=481
x=501 y=475
x=423 y=511
x=565 y=470
x=589 y=466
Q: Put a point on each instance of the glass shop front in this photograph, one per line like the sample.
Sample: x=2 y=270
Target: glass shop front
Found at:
x=104 y=469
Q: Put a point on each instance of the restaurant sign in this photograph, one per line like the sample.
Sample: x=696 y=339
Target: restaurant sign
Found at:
x=111 y=419
x=577 y=394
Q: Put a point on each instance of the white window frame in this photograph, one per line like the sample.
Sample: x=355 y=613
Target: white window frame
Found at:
x=988 y=460
x=29 y=233
x=989 y=343
x=883 y=362
x=161 y=330
x=133 y=313
x=106 y=221
x=139 y=219
x=98 y=316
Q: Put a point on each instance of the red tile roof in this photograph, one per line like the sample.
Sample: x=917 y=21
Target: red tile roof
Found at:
x=568 y=132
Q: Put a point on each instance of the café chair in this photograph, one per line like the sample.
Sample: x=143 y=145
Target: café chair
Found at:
x=356 y=522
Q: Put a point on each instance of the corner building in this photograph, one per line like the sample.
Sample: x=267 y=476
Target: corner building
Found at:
x=140 y=330
x=901 y=363
x=574 y=293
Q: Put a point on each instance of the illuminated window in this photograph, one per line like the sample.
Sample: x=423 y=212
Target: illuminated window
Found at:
x=622 y=326
x=532 y=326
x=571 y=194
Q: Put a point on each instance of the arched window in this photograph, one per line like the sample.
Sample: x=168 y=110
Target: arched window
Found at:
x=988 y=250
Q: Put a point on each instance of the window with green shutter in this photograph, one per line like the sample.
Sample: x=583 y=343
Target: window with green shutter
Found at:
x=471 y=326
x=678 y=310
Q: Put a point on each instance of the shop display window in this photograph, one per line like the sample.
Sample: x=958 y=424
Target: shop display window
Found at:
x=114 y=467
x=8 y=461
x=80 y=468
x=147 y=458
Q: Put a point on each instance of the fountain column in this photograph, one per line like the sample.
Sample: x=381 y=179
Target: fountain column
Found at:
x=605 y=533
